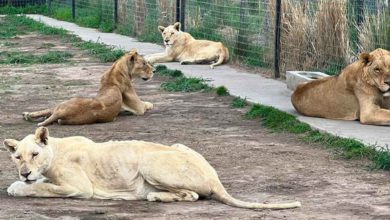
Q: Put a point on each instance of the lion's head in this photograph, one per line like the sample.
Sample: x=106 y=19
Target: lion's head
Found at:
x=170 y=34
x=32 y=155
x=138 y=66
x=376 y=69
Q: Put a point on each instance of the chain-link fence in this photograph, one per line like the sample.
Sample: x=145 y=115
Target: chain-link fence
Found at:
x=274 y=35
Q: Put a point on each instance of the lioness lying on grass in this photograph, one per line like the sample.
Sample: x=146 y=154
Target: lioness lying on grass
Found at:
x=116 y=93
x=130 y=170
x=181 y=46
x=356 y=94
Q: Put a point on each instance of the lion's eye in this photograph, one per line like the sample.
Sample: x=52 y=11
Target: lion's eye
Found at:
x=172 y=33
x=34 y=154
x=17 y=157
x=377 y=69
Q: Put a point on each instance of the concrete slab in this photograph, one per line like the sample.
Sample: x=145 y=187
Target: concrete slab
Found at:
x=255 y=88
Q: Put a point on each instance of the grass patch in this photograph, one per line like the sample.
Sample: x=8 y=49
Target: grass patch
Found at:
x=15 y=25
x=47 y=45
x=280 y=121
x=277 y=120
x=222 y=91
x=238 y=102
x=164 y=71
x=179 y=83
x=184 y=84
x=7 y=57
x=27 y=9
x=104 y=52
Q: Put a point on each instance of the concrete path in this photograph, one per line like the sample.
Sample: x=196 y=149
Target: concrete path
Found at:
x=255 y=88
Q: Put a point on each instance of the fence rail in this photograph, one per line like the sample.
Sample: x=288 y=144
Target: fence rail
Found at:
x=274 y=35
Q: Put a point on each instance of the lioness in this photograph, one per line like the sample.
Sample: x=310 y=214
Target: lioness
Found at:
x=116 y=93
x=356 y=94
x=130 y=170
x=181 y=46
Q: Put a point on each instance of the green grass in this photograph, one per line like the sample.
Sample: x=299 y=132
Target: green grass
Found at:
x=222 y=91
x=64 y=14
x=85 y=17
x=238 y=102
x=104 y=52
x=163 y=70
x=28 y=58
x=28 y=9
x=186 y=84
x=16 y=25
x=279 y=121
x=179 y=83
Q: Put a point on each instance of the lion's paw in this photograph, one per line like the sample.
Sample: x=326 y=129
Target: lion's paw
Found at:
x=148 y=105
x=26 y=116
x=17 y=189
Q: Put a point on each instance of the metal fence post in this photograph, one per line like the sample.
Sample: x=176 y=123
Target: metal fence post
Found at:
x=178 y=10
x=277 y=39
x=115 y=13
x=73 y=9
x=183 y=14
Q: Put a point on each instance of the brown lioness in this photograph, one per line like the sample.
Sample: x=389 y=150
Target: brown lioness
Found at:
x=116 y=93
x=129 y=170
x=181 y=46
x=355 y=94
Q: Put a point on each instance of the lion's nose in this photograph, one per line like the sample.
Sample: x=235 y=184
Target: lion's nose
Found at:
x=166 y=41
x=26 y=174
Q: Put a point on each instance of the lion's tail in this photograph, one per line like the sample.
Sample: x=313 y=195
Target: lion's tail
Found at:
x=220 y=194
x=223 y=57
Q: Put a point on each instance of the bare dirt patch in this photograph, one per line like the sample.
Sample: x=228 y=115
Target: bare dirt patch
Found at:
x=253 y=164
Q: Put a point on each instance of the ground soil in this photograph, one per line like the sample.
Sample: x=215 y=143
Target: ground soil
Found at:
x=253 y=163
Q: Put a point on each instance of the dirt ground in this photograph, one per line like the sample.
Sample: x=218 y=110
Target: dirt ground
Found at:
x=253 y=164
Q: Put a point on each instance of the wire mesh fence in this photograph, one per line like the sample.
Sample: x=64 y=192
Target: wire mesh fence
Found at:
x=315 y=35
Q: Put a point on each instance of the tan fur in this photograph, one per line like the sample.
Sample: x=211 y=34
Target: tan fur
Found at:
x=130 y=170
x=116 y=93
x=356 y=94
x=181 y=46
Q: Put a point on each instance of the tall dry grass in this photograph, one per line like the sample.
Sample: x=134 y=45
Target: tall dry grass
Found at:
x=314 y=34
x=374 y=32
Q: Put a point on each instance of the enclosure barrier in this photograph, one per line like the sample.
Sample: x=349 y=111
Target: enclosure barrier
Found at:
x=270 y=35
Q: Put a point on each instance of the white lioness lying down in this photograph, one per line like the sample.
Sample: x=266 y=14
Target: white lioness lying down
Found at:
x=130 y=170
x=181 y=46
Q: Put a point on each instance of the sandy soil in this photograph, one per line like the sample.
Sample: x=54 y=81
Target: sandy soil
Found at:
x=253 y=164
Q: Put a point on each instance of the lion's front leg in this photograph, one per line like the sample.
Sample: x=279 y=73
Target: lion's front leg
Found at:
x=370 y=112
x=20 y=188
x=132 y=103
x=159 y=58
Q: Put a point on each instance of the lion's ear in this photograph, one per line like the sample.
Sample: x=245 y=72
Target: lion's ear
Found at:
x=161 y=28
x=134 y=50
x=42 y=135
x=177 y=26
x=133 y=53
x=10 y=145
x=365 y=58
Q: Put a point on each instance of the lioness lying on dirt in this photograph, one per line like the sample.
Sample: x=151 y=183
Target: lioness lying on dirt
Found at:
x=181 y=46
x=130 y=170
x=116 y=93
x=356 y=94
